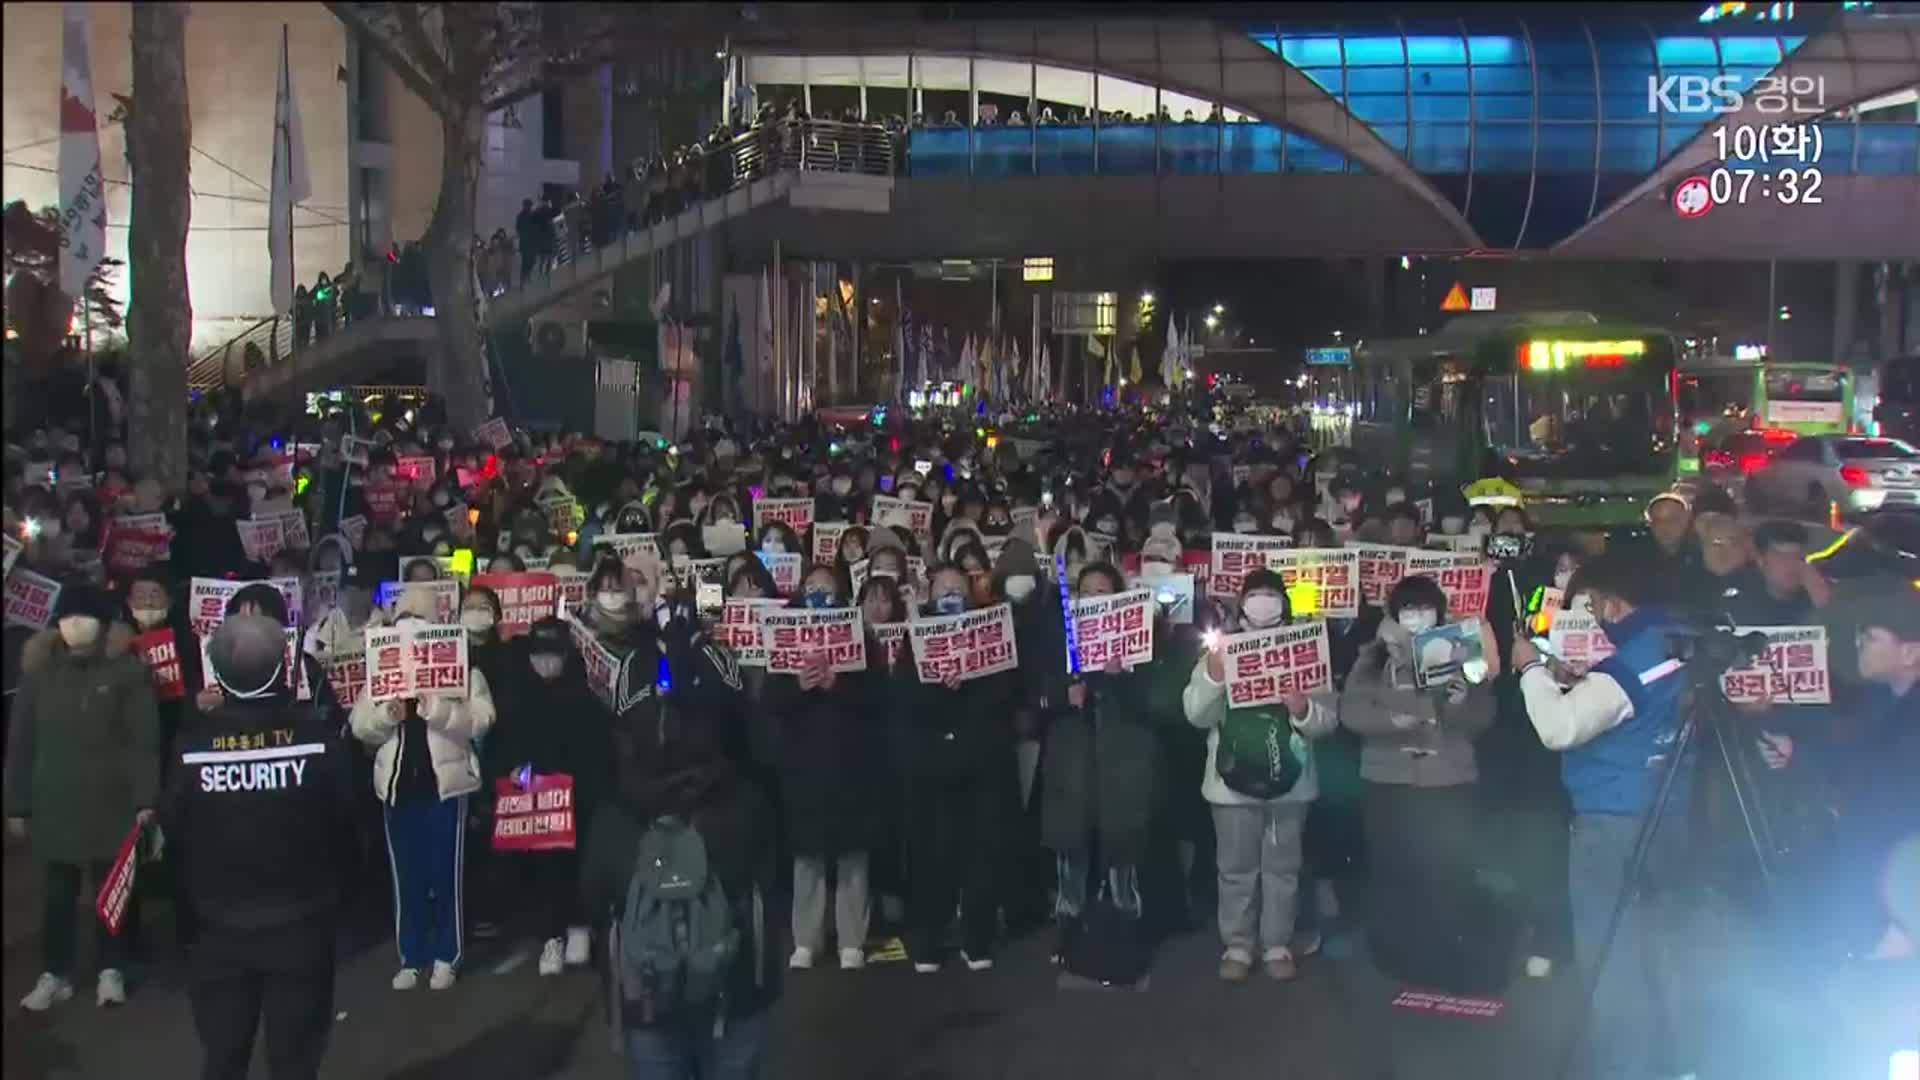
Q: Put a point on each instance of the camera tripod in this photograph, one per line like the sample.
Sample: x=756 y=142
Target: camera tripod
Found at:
x=1707 y=657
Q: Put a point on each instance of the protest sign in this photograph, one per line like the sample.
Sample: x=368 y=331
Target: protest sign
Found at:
x=793 y=637
x=355 y=530
x=385 y=502
x=621 y=545
x=418 y=470
x=129 y=551
x=415 y=660
x=560 y=513
x=116 y=886
x=524 y=599
x=602 y=668
x=1235 y=555
x=573 y=586
x=890 y=636
x=1575 y=635
x=916 y=516
x=739 y=628
x=1793 y=670
x=261 y=538
x=1463 y=577
x=1381 y=568
x=444 y=594
x=1024 y=516
x=994 y=546
x=537 y=816
x=1459 y=543
x=14 y=548
x=1118 y=626
x=1321 y=582
x=826 y=540
x=1443 y=651
x=207 y=602
x=916 y=576
x=293 y=529
x=494 y=433
x=702 y=580
x=1264 y=665
x=347 y=674
x=967 y=646
x=31 y=598
x=796 y=514
x=162 y=656
x=785 y=568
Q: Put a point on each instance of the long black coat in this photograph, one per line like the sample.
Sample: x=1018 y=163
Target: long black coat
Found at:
x=830 y=754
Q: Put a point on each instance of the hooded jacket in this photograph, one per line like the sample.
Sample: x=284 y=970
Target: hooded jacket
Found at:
x=1205 y=703
x=1434 y=748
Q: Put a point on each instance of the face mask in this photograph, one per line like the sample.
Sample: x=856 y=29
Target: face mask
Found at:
x=1561 y=579
x=817 y=599
x=842 y=485
x=773 y=545
x=1415 y=620
x=441 y=499
x=149 y=617
x=1163 y=530
x=476 y=621
x=1262 y=610
x=1479 y=529
x=1396 y=496
x=256 y=492
x=1155 y=569
x=1283 y=523
x=950 y=603
x=611 y=603
x=79 y=631
x=1107 y=526
x=1020 y=586
x=548 y=665
x=1451 y=525
x=1244 y=525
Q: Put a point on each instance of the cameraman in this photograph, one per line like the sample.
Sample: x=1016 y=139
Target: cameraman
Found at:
x=1613 y=727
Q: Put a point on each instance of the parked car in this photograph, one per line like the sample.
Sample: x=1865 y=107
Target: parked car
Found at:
x=1857 y=473
x=1731 y=459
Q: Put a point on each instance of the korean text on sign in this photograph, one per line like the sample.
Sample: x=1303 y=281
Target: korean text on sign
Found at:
x=796 y=514
x=261 y=538
x=1463 y=577
x=536 y=817
x=1381 y=568
x=493 y=433
x=603 y=670
x=784 y=567
x=1792 y=672
x=916 y=516
x=1322 y=582
x=1576 y=637
x=890 y=636
x=739 y=628
x=1235 y=556
x=791 y=638
x=162 y=656
x=559 y=511
x=525 y=599
x=347 y=674
x=30 y=598
x=415 y=660
x=1114 y=627
x=1264 y=665
x=966 y=646
x=826 y=540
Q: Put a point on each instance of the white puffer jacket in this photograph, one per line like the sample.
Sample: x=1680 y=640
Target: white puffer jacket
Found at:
x=452 y=726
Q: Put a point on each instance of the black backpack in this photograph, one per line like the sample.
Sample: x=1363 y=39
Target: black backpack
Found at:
x=1105 y=944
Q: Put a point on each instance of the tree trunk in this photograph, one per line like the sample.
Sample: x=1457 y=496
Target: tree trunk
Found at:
x=457 y=369
x=160 y=322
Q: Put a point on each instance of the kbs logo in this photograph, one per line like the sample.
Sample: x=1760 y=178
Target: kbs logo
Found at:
x=1804 y=95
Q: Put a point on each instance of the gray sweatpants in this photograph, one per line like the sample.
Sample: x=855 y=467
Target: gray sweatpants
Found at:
x=849 y=901
x=1259 y=859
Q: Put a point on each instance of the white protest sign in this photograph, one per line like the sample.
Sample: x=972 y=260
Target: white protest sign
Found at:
x=1118 y=626
x=1265 y=665
x=917 y=517
x=1235 y=555
x=785 y=568
x=415 y=660
x=795 y=514
x=1465 y=578
x=739 y=628
x=1381 y=568
x=826 y=540
x=30 y=598
x=1321 y=582
x=792 y=637
x=1792 y=672
x=967 y=646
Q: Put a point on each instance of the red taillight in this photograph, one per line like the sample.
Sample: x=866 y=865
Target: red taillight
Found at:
x=1751 y=462
x=1854 y=476
x=1718 y=457
x=1778 y=435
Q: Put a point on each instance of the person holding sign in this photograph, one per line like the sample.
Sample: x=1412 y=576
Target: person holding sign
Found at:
x=1425 y=922
x=1259 y=781
x=958 y=745
x=829 y=736
x=424 y=768
x=83 y=766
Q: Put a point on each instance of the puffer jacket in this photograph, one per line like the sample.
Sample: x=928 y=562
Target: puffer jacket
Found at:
x=452 y=725
x=1205 y=703
x=1434 y=748
x=1098 y=774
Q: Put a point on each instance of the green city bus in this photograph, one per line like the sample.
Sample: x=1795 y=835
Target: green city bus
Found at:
x=1578 y=413
x=1720 y=396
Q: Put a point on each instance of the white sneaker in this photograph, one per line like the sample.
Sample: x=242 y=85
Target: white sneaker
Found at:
x=853 y=959
x=111 y=989
x=552 y=957
x=48 y=991
x=802 y=958
x=406 y=978
x=921 y=967
x=579 y=946
x=1539 y=967
x=984 y=963
x=443 y=976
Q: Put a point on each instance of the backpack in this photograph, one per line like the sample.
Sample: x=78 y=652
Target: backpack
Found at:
x=1104 y=944
x=1259 y=755
x=675 y=938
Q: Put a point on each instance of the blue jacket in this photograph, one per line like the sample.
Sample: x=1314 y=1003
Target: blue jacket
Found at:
x=1620 y=771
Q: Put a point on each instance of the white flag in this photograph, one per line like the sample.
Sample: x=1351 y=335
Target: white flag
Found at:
x=1046 y=371
x=291 y=183
x=83 y=193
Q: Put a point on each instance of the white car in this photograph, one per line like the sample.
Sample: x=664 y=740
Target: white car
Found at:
x=1855 y=472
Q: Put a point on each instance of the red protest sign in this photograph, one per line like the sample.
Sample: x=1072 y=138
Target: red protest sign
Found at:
x=524 y=599
x=1265 y=665
x=968 y=646
x=793 y=637
x=385 y=502
x=416 y=469
x=116 y=888
x=1114 y=627
x=30 y=598
x=1428 y=1001
x=537 y=817
x=162 y=656
x=493 y=433
x=129 y=551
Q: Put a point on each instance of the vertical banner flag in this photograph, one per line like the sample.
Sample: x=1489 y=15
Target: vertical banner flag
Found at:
x=83 y=193
x=291 y=183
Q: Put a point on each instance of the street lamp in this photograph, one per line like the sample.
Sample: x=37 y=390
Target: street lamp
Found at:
x=1219 y=309
x=1146 y=299
x=1213 y=322
x=1336 y=335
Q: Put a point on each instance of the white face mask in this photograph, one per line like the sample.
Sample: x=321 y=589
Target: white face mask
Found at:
x=256 y=492
x=1155 y=568
x=1416 y=620
x=149 y=617
x=1261 y=610
x=842 y=485
x=1244 y=525
x=1283 y=523
x=773 y=545
x=1396 y=496
x=79 y=631
x=476 y=621
x=611 y=602
x=1020 y=586
x=1451 y=525
x=548 y=665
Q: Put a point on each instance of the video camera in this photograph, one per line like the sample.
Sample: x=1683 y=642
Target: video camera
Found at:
x=1715 y=648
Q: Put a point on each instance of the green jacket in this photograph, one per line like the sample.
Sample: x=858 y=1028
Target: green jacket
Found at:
x=85 y=754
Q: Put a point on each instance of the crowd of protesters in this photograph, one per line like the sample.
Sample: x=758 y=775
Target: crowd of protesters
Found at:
x=1120 y=804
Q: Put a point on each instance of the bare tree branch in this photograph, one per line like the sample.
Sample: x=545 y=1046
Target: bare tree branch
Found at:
x=380 y=39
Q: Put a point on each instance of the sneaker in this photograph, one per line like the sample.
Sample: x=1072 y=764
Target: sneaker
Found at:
x=1539 y=967
x=443 y=976
x=552 y=957
x=802 y=958
x=111 y=989
x=1235 y=965
x=924 y=967
x=579 y=946
x=1306 y=943
x=406 y=978
x=853 y=959
x=981 y=963
x=1280 y=966
x=49 y=991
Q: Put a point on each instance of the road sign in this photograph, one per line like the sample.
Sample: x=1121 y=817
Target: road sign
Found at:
x=1483 y=299
x=1456 y=299
x=1693 y=197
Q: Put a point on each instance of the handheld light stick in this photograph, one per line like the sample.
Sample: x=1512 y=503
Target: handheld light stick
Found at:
x=1066 y=614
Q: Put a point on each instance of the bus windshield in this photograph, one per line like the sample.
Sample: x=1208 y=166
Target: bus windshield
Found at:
x=1580 y=424
x=1802 y=384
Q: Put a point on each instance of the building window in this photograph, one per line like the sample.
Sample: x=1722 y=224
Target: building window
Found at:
x=370 y=95
x=553 y=124
x=375 y=226
x=1036 y=270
